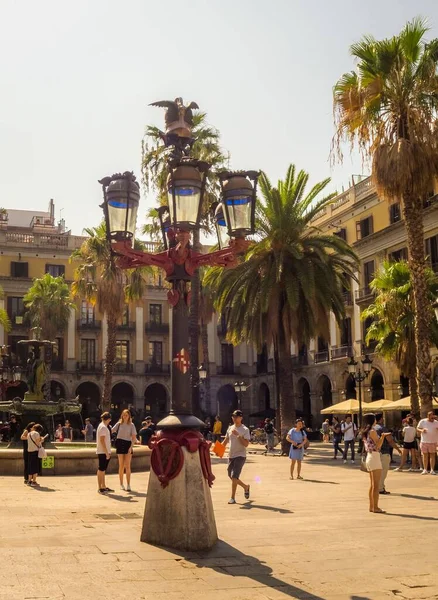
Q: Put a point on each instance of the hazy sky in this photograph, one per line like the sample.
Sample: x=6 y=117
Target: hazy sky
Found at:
x=76 y=79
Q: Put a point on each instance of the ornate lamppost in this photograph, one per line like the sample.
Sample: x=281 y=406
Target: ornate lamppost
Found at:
x=179 y=511
x=359 y=374
x=240 y=387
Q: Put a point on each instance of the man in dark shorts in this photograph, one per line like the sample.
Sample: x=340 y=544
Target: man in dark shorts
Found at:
x=103 y=451
x=239 y=436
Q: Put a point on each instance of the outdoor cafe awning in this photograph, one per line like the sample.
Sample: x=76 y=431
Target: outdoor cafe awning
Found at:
x=404 y=404
x=342 y=408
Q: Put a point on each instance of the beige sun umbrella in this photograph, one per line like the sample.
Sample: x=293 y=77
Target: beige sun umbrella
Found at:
x=342 y=408
x=404 y=404
x=376 y=406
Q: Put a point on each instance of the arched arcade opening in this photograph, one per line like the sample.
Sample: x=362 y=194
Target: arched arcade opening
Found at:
x=89 y=397
x=227 y=402
x=304 y=394
x=325 y=391
x=155 y=401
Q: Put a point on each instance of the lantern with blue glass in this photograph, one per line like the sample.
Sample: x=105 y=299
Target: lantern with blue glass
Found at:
x=185 y=185
x=239 y=189
x=121 y=194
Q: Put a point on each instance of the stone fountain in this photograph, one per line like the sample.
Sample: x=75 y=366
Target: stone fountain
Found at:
x=35 y=406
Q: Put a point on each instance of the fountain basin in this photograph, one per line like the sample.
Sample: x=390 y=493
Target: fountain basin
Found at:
x=72 y=461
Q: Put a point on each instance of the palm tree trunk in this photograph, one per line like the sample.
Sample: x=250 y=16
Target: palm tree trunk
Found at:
x=194 y=332
x=277 y=386
x=206 y=362
x=286 y=386
x=423 y=311
x=413 y=391
x=110 y=357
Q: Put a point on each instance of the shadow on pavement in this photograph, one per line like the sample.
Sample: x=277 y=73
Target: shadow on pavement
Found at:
x=415 y=497
x=41 y=488
x=251 y=567
x=250 y=504
x=120 y=498
x=420 y=517
x=319 y=481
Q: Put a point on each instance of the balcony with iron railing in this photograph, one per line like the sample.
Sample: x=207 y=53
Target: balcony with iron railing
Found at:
x=122 y=367
x=156 y=369
x=89 y=324
x=301 y=360
x=363 y=295
x=89 y=367
x=129 y=327
x=156 y=328
x=341 y=351
x=321 y=357
x=227 y=370
x=347 y=298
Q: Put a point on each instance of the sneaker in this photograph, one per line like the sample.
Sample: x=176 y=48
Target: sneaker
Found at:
x=122 y=487
x=345 y=462
x=409 y=470
x=128 y=488
x=107 y=489
x=352 y=462
x=102 y=491
x=424 y=472
x=231 y=501
x=433 y=472
x=400 y=469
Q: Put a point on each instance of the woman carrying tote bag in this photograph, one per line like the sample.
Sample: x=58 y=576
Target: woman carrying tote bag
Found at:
x=35 y=451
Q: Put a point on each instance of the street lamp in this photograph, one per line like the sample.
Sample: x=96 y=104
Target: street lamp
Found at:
x=240 y=388
x=173 y=471
x=359 y=374
x=202 y=373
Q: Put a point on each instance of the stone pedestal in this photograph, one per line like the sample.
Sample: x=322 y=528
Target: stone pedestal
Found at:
x=180 y=515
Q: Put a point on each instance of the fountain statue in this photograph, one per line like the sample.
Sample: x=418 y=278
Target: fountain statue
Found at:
x=35 y=406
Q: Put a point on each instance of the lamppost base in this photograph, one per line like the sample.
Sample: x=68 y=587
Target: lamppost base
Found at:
x=180 y=421
x=180 y=515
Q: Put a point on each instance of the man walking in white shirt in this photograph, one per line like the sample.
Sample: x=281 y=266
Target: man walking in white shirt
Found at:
x=429 y=441
x=349 y=430
x=239 y=436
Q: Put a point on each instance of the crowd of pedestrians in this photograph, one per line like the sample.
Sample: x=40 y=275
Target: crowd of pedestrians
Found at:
x=376 y=445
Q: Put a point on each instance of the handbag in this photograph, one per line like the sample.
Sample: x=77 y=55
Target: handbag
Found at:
x=363 y=463
x=42 y=453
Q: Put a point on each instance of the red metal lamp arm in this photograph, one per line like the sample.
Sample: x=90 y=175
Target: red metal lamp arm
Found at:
x=227 y=257
x=128 y=258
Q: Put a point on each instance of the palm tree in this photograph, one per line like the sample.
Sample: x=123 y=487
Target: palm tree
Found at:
x=4 y=319
x=206 y=147
x=289 y=280
x=388 y=107
x=48 y=304
x=393 y=320
x=100 y=281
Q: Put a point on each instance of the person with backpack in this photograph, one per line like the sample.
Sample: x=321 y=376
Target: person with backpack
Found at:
x=337 y=437
x=270 y=431
x=349 y=430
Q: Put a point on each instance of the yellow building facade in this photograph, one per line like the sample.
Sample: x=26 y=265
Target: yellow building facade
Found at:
x=31 y=244
x=376 y=231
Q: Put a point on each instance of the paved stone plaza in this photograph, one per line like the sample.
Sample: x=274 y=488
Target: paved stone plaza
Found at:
x=310 y=539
